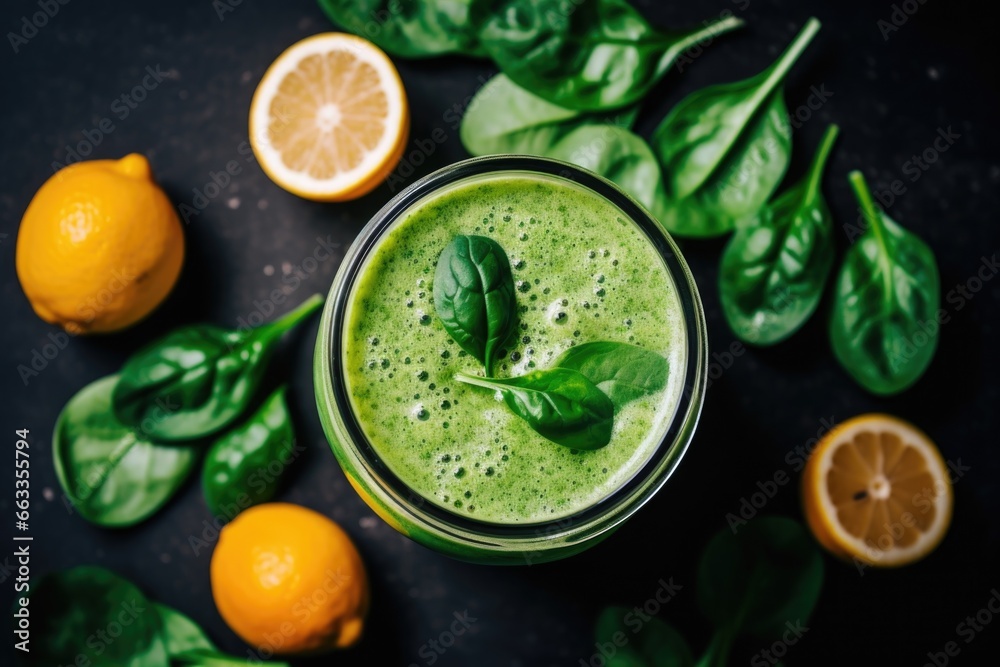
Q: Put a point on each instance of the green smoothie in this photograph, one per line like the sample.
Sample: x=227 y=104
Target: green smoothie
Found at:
x=583 y=273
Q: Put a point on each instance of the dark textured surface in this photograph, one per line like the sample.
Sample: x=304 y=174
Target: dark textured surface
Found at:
x=939 y=70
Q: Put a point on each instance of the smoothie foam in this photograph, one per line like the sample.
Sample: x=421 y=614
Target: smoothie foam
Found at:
x=583 y=271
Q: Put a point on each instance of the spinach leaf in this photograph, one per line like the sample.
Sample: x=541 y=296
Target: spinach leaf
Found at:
x=754 y=581
x=198 y=379
x=774 y=267
x=583 y=54
x=560 y=404
x=624 y=372
x=505 y=118
x=725 y=148
x=474 y=296
x=181 y=634
x=112 y=475
x=408 y=28
x=187 y=643
x=72 y=612
x=652 y=643
x=884 y=328
x=206 y=658
x=618 y=155
x=237 y=471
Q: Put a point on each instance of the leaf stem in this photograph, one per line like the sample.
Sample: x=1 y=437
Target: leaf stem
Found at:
x=712 y=29
x=475 y=380
x=815 y=176
x=875 y=224
x=717 y=654
x=289 y=320
x=780 y=68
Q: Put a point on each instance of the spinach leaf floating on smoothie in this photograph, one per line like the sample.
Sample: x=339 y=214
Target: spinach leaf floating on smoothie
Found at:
x=409 y=28
x=70 y=608
x=198 y=379
x=887 y=292
x=725 y=148
x=561 y=404
x=774 y=268
x=505 y=118
x=624 y=372
x=583 y=54
x=112 y=475
x=474 y=296
x=232 y=476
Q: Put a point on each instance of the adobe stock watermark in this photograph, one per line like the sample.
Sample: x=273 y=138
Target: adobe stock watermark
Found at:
x=223 y=7
x=91 y=308
x=219 y=180
x=958 y=297
x=432 y=650
x=914 y=514
x=425 y=147
x=914 y=169
x=31 y=24
x=898 y=16
x=120 y=107
x=752 y=504
x=694 y=51
x=325 y=250
x=718 y=364
x=773 y=654
x=770 y=149
x=333 y=585
x=635 y=620
x=967 y=629
x=257 y=482
x=98 y=642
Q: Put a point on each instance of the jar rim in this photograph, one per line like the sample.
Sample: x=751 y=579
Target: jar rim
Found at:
x=592 y=520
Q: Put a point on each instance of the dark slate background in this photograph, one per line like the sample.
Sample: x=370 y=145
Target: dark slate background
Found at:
x=891 y=97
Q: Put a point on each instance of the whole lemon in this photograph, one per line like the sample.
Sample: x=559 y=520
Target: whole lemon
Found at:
x=100 y=246
x=289 y=580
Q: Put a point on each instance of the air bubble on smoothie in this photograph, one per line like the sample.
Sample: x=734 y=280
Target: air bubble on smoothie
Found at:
x=421 y=413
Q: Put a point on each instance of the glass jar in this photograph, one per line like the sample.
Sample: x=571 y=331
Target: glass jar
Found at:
x=459 y=535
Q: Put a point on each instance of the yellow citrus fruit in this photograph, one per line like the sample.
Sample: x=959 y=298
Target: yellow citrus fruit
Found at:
x=289 y=580
x=329 y=121
x=100 y=246
x=876 y=489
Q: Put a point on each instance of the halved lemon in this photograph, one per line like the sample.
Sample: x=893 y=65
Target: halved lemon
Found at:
x=329 y=121
x=876 y=489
